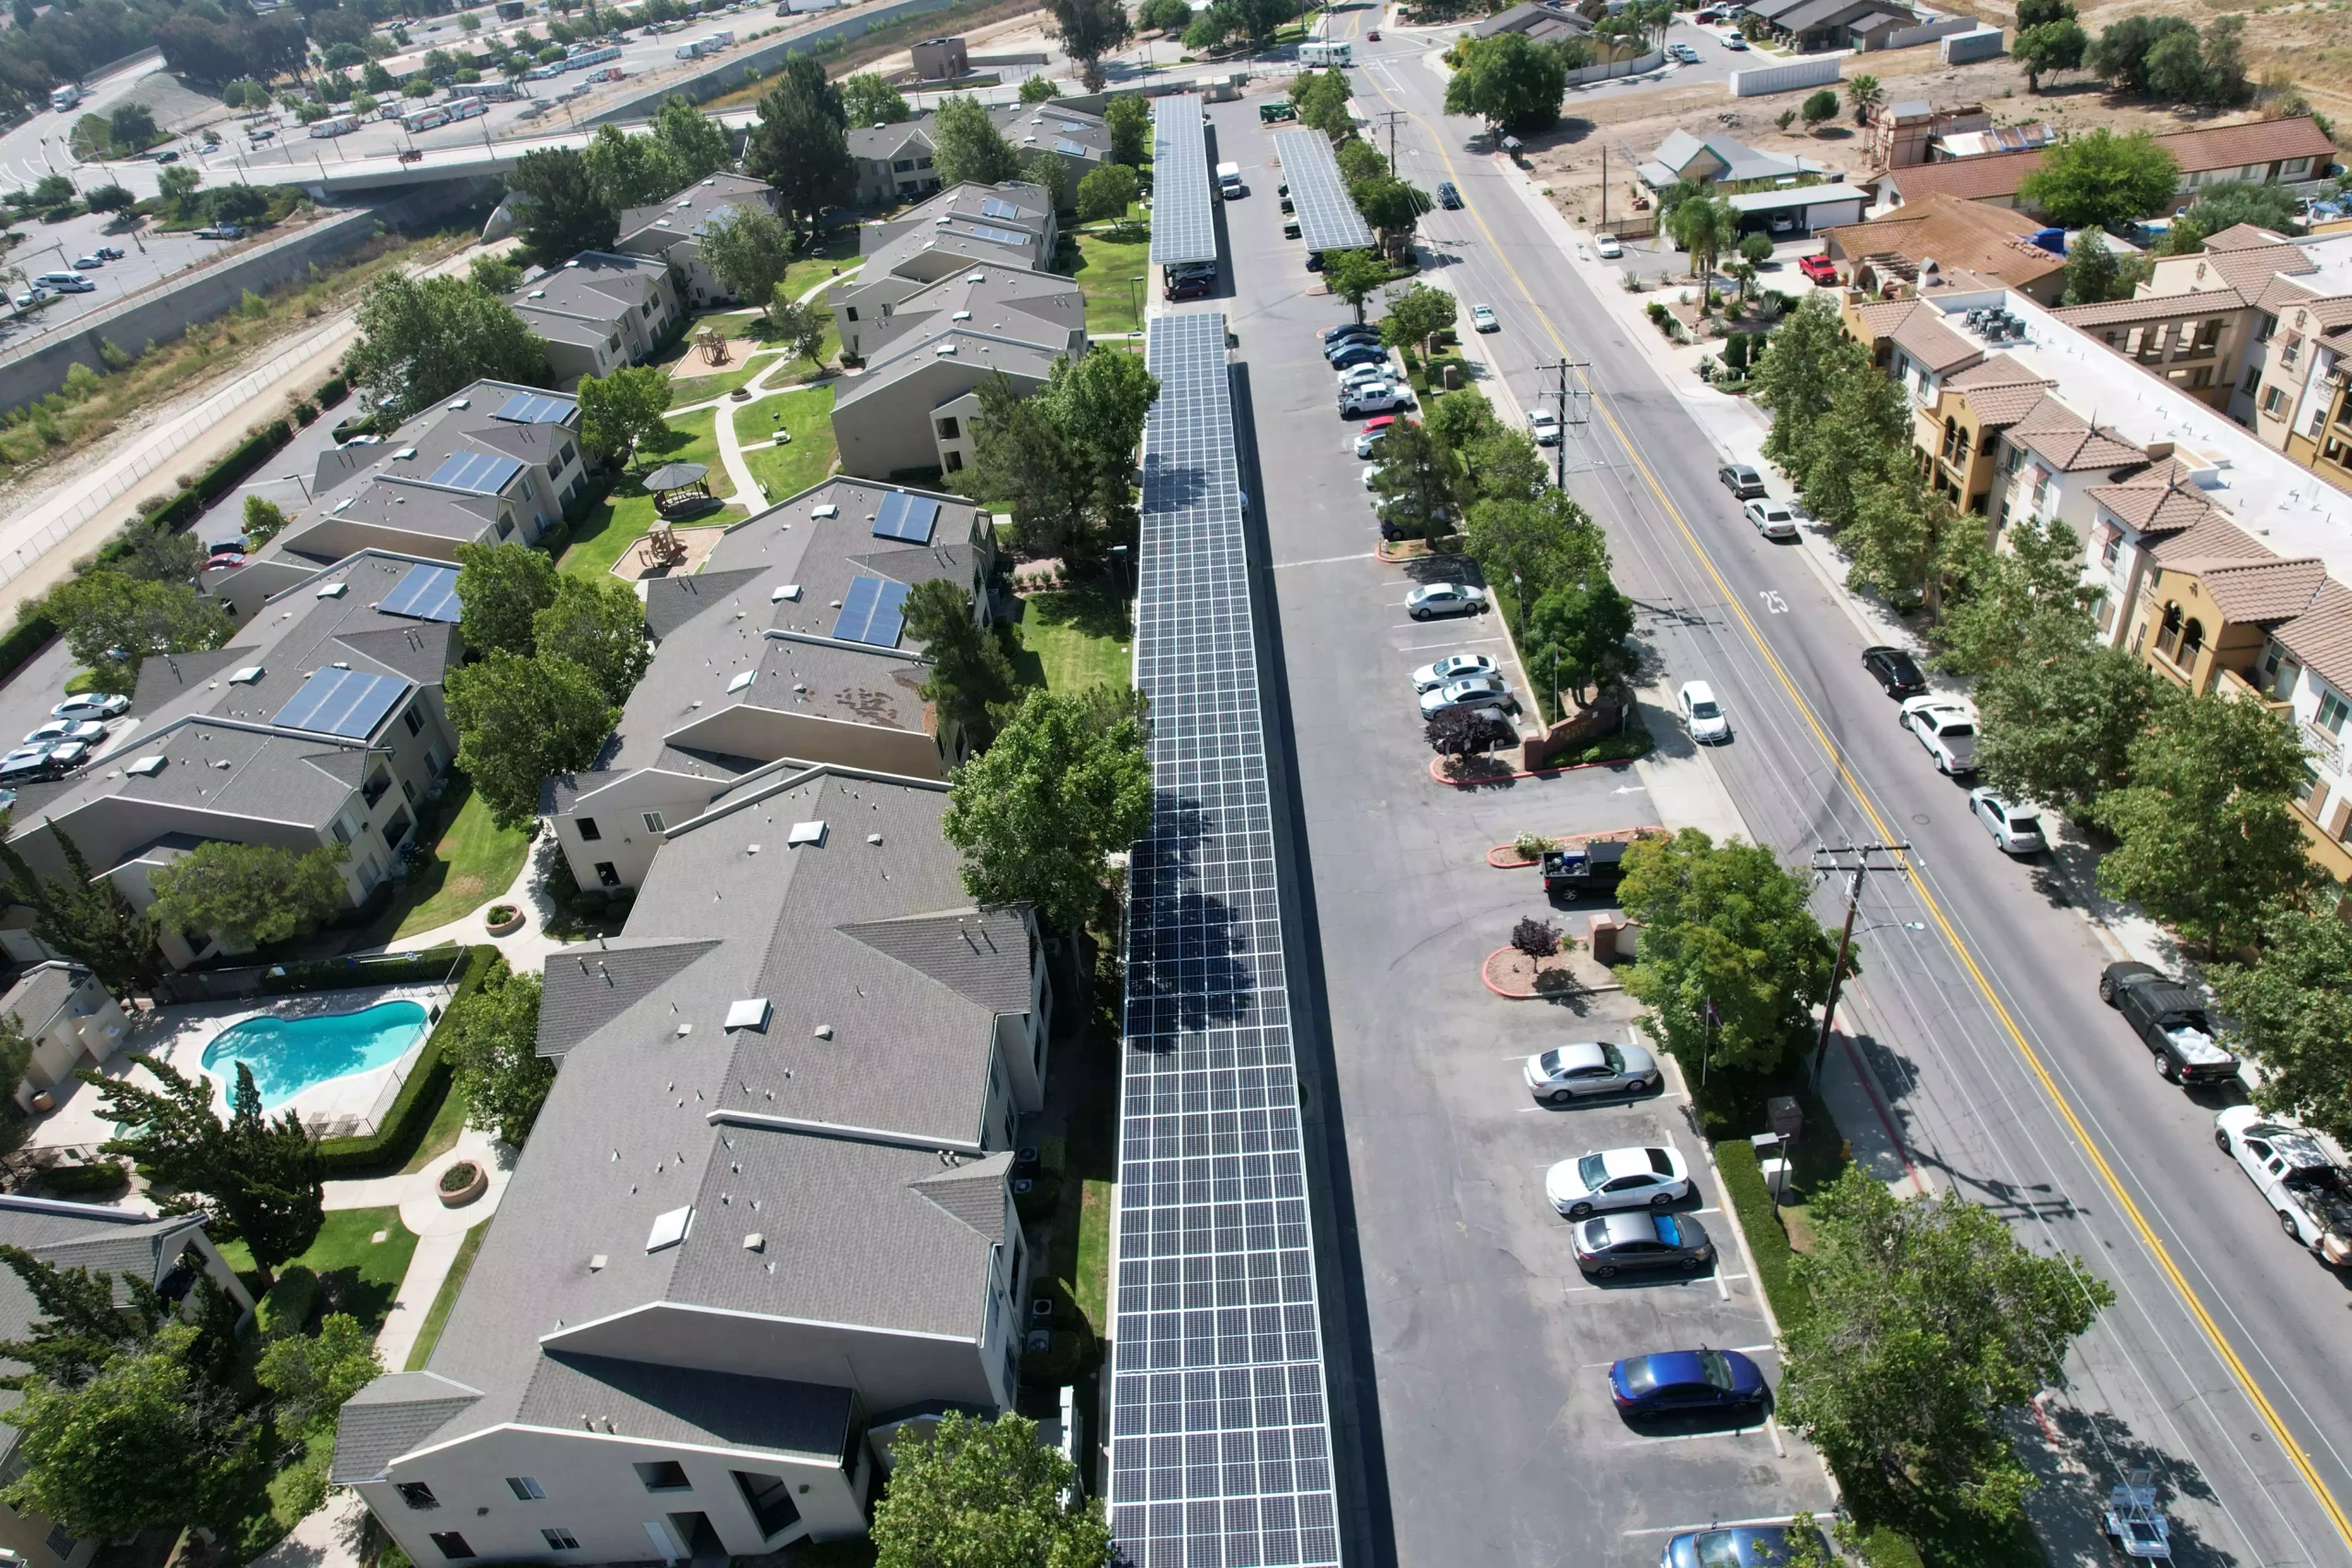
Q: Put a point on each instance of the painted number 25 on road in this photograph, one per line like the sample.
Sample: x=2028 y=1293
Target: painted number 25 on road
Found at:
x=1773 y=603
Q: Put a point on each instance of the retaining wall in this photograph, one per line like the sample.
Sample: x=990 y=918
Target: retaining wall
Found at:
x=768 y=58
x=1818 y=72
x=1905 y=38
x=1962 y=48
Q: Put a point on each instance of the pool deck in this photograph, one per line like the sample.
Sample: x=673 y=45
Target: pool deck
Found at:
x=179 y=1035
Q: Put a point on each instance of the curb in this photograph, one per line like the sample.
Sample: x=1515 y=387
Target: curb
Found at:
x=1487 y=980
x=1613 y=836
x=1540 y=773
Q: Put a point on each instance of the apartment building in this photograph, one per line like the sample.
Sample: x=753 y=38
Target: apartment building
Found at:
x=894 y=163
x=72 y=1021
x=2264 y=152
x=167 y=1253
x=671 y=231
x=786 y=648
x=1015 y=301
x=1006 y=226
x=321 y=726
x=764 y=1222
x=599 y=311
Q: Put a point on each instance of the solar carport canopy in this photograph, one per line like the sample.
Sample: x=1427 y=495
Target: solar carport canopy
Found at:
x=1184 y=200
x=1328 y=219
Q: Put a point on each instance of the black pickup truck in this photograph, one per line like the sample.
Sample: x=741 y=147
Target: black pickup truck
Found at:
x=2170 y=1019
x=1584 y=871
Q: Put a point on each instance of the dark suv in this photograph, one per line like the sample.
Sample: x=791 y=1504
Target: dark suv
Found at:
x=2170 y=1019
x=1894 y=669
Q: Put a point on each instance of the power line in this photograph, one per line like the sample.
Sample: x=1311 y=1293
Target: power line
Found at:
x=1826 y=863
x=1561 y=396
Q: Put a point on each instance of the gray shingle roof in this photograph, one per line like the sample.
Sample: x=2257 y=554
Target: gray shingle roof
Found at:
x=390 y=1416
x=684 y=1405
x=39 y=992
x=982 y=955
x=583 y=991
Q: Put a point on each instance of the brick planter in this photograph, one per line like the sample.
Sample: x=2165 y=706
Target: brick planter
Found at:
x=458 y=1197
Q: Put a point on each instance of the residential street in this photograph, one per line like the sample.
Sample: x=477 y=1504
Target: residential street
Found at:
x=2004 y=1079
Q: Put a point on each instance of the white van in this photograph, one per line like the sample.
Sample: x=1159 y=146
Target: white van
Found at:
x=1228 y=181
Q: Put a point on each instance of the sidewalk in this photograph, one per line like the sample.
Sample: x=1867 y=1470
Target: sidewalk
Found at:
x=526 y=949
x=440 y=1231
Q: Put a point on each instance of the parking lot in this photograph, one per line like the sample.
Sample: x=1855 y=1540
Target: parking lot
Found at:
x=52 y=247
x=1478 y=1350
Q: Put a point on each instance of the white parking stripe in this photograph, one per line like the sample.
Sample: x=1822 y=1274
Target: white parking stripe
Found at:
x=1711 y=1525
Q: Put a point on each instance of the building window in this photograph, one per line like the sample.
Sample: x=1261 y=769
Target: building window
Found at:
x=2272 y=398
x=526 y=1489
x=452 y=1544
x=850 y=311
x=2203 y=377
x=2168 y=631
x=606 y=875
x=417 y=1494
x=61 y=1541
x=1960 y=448
x=2253 y=379
x=560 y=1540
x=1951 y=435
x=663 y=1475
x=2332 y=712
x=588 y=830
x=2313 y=790
x=2113 y=548
x=954 y=461
x=415 y=720
x=2192 y=643
x=770 y=1499
x=653 y=823
x=948 y=429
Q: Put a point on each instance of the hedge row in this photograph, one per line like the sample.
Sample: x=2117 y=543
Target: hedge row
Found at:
x=26 y=637
x=333 y=393
x=1767 y=1239
x=420 y=1098
x=74 y=1180
x=339 y=973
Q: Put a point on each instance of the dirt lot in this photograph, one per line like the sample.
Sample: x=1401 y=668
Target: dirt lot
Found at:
x=1631 y=125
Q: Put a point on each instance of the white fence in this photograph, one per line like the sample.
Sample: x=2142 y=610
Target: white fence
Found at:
x=1962 y=48
x=1930 y=32
x=1616 y=68
x=1818 y=72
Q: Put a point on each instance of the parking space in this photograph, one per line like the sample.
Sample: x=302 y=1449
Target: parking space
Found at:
x=54 y=247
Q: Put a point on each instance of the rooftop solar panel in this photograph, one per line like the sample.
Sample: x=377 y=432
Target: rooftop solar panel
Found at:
x=996 y=207
x=1183 y=216
x=346 y=702
x=1220 y=1440
x=534 y=408
x=426 y=594
x=1000 y=236
x=1328 y=219
x=481 y=473
x=1069 y=149
x=907 y=517
x=873 y=611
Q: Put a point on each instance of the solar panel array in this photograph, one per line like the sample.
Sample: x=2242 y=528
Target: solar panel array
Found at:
x=481 y=473
x=907 y=517
x=348 y=703
x=536 y=407
x=426 y=594
x=872 y=611
x=1328 y=219
x=997 y=206
x=1183 y=212
x=1220 y=1438
x=999 y=236
x=1069 y=149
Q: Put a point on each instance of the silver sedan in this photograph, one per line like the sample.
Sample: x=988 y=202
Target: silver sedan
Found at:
x=1588 y=1069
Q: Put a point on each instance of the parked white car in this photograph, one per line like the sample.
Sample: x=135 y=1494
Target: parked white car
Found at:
x=1702 y=715
x=1453 y=667
x=1378 y=397
x=1545 y=427
x=1607 y=248
x=1773 y=519
x=2016 y=829
x=1617 y=1179
x=1445 y=599
x=1947 y=728
x=1361 y=375
x=91 y=704
x=1470 y=691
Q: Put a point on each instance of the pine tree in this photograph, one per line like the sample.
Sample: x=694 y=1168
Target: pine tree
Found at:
x=86 y=919
x=83 y=1324
x=274 y=1188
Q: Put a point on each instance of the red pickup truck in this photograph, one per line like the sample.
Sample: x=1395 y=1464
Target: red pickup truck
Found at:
x=1820 y=270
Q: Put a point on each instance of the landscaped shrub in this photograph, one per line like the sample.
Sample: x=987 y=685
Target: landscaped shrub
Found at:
x=339 y=973
x=1537 y=938
x=420 y=1098
x=80 y=1180
x=243 y=459
x=589 y=903
x=1531 y=846
x=26 y=637
x=333 y=392
x=1736 y=346
x=459 y=1177
x=286 y=1307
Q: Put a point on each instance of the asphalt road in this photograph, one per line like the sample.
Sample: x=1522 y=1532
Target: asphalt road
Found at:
x=2007 y=1081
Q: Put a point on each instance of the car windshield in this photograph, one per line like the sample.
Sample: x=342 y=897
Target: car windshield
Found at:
x=1614 y=1057
x=1549 y=1061
x=1715 y=1367
x=1592 y=1170
x=1703 y=710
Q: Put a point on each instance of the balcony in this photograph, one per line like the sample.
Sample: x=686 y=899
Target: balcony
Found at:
x=373 y=790
x=2328 y=748
x=2230 y=683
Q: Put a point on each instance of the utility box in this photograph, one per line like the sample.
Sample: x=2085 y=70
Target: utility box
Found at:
x=1784 y=1116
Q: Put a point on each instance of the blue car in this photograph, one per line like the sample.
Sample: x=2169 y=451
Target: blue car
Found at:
x=1738 y=1546
x=1674 y=1380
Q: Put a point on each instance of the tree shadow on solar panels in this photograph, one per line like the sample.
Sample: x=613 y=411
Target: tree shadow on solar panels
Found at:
x=1187 y=965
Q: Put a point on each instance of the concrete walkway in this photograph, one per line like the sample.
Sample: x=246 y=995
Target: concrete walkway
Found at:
x=440 y=1231
x=527 y=949
x=327 y=1539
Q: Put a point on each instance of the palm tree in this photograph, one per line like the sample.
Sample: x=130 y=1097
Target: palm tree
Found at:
x=1705 y=226
x=1861 y=93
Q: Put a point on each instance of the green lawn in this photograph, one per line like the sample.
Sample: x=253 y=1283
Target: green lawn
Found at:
x=807 y=413
x=719 y=383
x=356 y=1275
x=430 y=1335
x=474 y=861
x=1077 y=638
x=838 y=249
x=440 y=1133
x=1105 y=272
x=622 y=518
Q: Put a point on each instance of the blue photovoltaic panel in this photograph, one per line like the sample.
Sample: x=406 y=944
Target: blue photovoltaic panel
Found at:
x=1001 y=236
x=872 y=611
x=1069 y=149
x=907 y=517
x=481 y=472
x=1328 y=219
x=1183 y=222
x=996 y=207
x=1220 y=1440
x=341 y=702
x=426 y=594
x=533 y=408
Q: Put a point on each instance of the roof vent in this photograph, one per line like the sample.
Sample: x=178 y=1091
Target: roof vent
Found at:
x=828 y=510
x=751 y=1013
x=536 y=294
x=824 y=1031
x=755 y=1242
x=456 y=403
x=670 y=1229
x=946 y=351
x=405 y=452
x=961 y=316
x=575 y=262
x=144 y=767
x=741 y=681
x=976 y=277
x=597 y=1262
x=335 y=591
x=807 y=833
x=789 y=591
x=873 y=838
x=247 y=676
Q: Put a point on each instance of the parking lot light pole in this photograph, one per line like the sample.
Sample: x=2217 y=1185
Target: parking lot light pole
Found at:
x=1134 y=299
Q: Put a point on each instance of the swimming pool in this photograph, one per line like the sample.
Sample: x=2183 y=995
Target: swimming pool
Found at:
x=290 y=1055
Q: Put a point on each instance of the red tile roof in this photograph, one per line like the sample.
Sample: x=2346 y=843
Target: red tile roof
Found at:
x=2216 y=147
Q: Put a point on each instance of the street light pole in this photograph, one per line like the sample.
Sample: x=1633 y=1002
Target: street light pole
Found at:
x=1134 y=299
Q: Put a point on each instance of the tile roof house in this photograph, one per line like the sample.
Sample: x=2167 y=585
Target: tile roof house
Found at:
x=168 y=1253
x=764 y=1219
x=320 y=725
x=671 y=231
x=1993 y=242
x=72 y=1021
x=598 y=311
x=758 y=666
x=2266 y=151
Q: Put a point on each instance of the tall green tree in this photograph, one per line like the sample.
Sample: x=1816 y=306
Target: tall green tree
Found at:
x=2227 y=202
x=1088 y=29
x=87 y=1320
x=2175 y=70
x=622 y=411
x=967 y=145
x=1506 y=465
x=1098 y=402
x=1706 y=227
x=2121 y=55
x=1509 y=80
x=1321 y=99
x=1908 y=543
x=800 y=146
x=115 y=622
x=1036 y=814
x=1732 y=962
x=2058 y=725
x=1023 y=464
x=1576 y=637
x=247 y=895
x=499 y=1072
x=1459 y=420
x=2091 y=270
x=629 y=171
x=1536 y=545
x=1418 y=485
x=697 y=146
x=423 y=338
x=748 y=251
x=313 y=1375
x=2100 y=179
x=564 y=211
x=986 y=1495
x=802 y=328
x=1863 y=93
x=1808 y=357
x=501 y=591
x=970 y=676
x=1416 y=315
x=599 y=625
x=1932 y=1328
x=869 y=99
x=2034 y=13
x=1106 y=193
x=521 y=719
x=2209 y=838
x=2033 y=584
x=1051 y=172
x=2052 y=46
x=2291 y=1010
x=85 y=917
x=1128 y=119
x=1352 y=275
x=1863 y=438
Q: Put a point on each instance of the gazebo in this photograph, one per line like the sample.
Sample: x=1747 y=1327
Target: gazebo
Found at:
x=678 y=490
